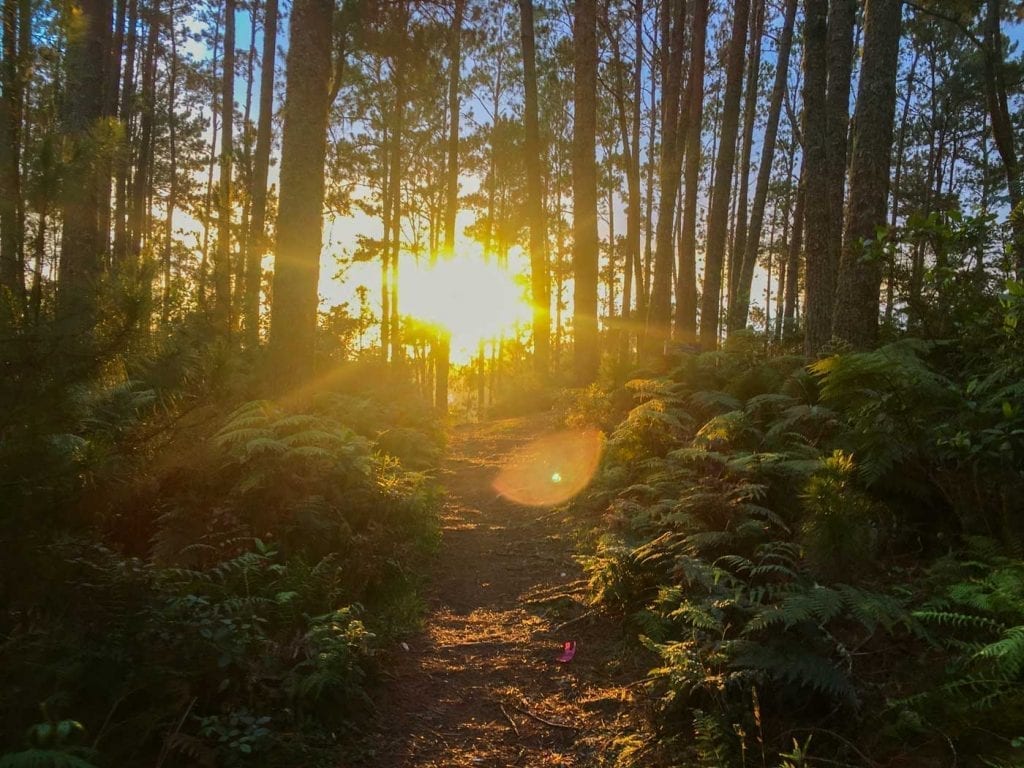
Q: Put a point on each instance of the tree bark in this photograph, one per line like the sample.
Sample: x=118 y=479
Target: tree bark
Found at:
x=584 y=182
x=793 y=260
x=539 y=277
x=659 y=310
x=222 y=263
x=88 y=47
x=819 y=290
x=261 y=167
x=753 y=240
x=1002 y=126
x=300 y=218
x=12 y=271
x=842 y=15
x=686 y=285
x=860 y=271
x=718 y=219
x=172 y=156
x=739 y=243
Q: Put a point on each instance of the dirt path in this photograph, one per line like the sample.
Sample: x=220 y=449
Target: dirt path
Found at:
x=480 y=686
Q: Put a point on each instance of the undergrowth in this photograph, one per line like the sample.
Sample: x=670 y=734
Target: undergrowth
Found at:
x=185 y=588
x=823 y=557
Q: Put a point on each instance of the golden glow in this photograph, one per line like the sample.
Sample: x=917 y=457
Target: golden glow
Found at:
x=473 y=299
x=551 y=469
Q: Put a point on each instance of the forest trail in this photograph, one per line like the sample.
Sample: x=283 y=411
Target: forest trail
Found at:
x=480 y=686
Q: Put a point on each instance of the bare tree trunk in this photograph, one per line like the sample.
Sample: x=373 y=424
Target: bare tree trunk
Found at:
x=140 y=185
x=122 y=170
x=261 y=166
x=860 y=274
x=539 y=277
x=718 y=219
x=12 y=270
x=793 y=260
x=300 y=218
x=742 y=300
x=901 y=140
x=1002 y=125
x=659 y=310
x=81 y=243
x=584 y=177
x=819 y=290
x=686 y=285
x=172 y=152
x=739 y=243
x=222 y=263
x=842 y=15
x=397 y=137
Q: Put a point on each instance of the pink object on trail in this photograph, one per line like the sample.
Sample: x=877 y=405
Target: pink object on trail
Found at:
x=568 y=651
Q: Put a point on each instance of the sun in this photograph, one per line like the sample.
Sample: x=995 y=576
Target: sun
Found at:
x=472 y=299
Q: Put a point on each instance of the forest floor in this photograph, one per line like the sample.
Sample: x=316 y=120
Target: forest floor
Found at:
x=480 y=684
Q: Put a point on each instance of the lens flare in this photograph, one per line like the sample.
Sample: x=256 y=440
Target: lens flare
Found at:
x=551 y=469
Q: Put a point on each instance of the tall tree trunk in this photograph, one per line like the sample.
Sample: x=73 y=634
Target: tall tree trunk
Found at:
x=140 y=185
x=12 y=272
x=718 y=219
x=172 y=157
x=584 y=182
x=245 y=174
x=860 y=274
x=451 y=208
x=901 y=141
x=686 y=285
x=88 y=47
x=1002 y=125
x=300 y=217
x=222 y=263
x=261 y=166
x=842 y=15
x=739 y=243
x=764 y=171
x=443 y=342
x=793 y=260
x=819 y=277
x=126 y=114
x=659 y=311
x=539 y=277
x=396 y=161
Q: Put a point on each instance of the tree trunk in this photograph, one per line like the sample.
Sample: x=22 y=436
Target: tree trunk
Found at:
x=300 y=218
x=539 y=278
x=659 y=310
x=261 y=166
x=860 y=272
x=396 y=161
x=140 y=185
x=12 y=272
x=80 y=261
x=901 y=140
x=126 y=115
x=793 y=260
x=686 y=285
x=584 y=183
x=842 y=15
x=1002 y=126
x=818 y=292
x=222 y=263
x=718 y=219
x=739 y=243
x=172 y=156
x=764 y=171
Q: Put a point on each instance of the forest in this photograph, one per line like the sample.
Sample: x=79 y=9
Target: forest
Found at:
x=357 y=353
